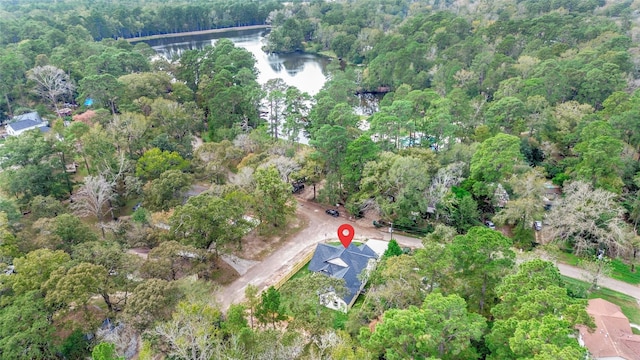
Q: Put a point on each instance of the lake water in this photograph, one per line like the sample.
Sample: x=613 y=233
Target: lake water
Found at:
x=307 y=72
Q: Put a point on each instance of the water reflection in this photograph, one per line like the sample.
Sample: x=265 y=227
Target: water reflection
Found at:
x=307 y=72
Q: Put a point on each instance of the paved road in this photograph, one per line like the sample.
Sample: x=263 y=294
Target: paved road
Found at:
x=322 y=227
x=613 y=284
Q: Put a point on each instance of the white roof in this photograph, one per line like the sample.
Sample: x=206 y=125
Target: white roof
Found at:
x=378 y=246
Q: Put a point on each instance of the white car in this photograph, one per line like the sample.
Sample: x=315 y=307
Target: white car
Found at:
x=490 y=225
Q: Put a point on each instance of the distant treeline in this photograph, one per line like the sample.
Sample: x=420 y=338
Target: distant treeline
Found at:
x=23 y=20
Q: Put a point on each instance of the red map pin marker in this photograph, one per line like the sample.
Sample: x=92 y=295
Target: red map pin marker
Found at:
x=345 y=234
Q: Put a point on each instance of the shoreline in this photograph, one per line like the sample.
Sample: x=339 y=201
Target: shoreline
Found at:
x=197 y=32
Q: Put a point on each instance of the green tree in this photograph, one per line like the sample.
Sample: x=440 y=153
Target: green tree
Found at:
x=105 y=351
x=331 y=142
x=12 y=71
x=154 y=162
x=151 y=301
x=78 y=285
x=236 y=320
x=31 y=167
x=535 y=316
x=168 y=190
x=25 y=328
x=482 y=257
x=209 y=222
x=270 y=309
x=393 y=249
x=496 y=159
x=276 y=95
x=274 y=200
x=297 y=112
x=253 y=300
x=358 y=153
x=103 y=89
x=34 y=269
x=507 y=115
x=46 y=207
x=599 y=153
x=441 y=328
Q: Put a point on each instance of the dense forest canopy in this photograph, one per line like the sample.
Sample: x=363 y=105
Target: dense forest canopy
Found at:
x=520 y=113
x=31 y=20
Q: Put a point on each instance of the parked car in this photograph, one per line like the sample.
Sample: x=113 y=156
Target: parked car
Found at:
x=537 y=225
x=490 y=225
x=332 y=212
x=137 y=206
x=297 y=187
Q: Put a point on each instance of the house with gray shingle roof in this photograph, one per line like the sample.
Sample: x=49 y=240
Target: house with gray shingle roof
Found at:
x=25 y=122
x=353 y=264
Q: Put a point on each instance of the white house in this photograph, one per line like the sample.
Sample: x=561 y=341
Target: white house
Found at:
x=25 y=122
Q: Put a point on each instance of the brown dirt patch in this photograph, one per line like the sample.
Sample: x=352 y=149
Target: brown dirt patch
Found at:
x=256 y=246
x=224 y=274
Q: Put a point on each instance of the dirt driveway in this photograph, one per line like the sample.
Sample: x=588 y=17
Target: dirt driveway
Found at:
x=320 y=227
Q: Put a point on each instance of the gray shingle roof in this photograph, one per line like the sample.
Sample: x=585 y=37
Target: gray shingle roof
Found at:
x=28 y=116
x=24 y=124
x=25 y=121
x=355 y=257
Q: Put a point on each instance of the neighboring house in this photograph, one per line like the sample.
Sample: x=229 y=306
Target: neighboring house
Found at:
x=612 y=339
x=353 y=264
x=25 y=122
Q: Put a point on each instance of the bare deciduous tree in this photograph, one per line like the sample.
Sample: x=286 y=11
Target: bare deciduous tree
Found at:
x=528 y=189
x=93 y=199
x=596 y=270
x=590 y=219
x=445 y=178
x=285 y=166
x=51 y=83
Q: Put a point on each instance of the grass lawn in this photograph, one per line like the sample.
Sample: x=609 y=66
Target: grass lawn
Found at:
x=620 y=270
x=628 y=304
x=334 y=243
x=568 y=258
x=304 y=271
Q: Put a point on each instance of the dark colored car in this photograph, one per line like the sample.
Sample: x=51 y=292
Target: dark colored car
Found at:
x=297 y=188
x=332 y=212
